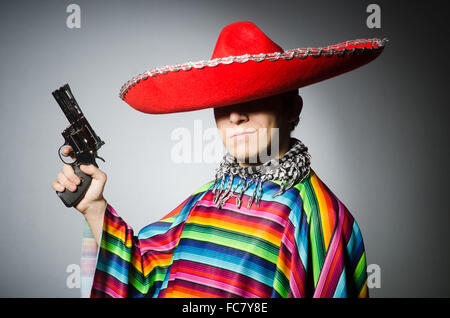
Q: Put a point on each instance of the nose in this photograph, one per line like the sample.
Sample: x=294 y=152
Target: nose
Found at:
x=238 y=117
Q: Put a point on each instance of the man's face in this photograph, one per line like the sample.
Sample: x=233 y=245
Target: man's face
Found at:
x=251 y=130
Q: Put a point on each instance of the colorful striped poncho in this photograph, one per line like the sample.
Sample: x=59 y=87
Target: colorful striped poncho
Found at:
x=304 y=243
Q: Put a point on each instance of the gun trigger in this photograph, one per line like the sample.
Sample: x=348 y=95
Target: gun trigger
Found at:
x=59 y=154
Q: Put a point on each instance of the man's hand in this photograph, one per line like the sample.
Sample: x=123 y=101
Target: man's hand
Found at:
x=93 y=204
x=67 y=179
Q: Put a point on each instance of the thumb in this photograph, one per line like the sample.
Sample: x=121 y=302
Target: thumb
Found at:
x=93 y=171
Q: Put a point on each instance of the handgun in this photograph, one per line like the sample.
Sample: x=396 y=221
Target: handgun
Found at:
x=84 y=142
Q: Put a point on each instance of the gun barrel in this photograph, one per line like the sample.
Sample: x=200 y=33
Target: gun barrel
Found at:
x=60 y=100
x=68 y=104
x=76 y=110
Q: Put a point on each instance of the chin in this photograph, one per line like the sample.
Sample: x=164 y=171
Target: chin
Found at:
x=245 y=156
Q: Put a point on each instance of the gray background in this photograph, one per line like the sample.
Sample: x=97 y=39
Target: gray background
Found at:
x=378 y=136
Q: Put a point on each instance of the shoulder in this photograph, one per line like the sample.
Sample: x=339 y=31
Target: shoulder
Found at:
x=190 y=200
x=205 y=187
x=176 y=215
x=324 y=210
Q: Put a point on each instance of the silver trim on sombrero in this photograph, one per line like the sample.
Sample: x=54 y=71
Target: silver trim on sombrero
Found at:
x=337 y=49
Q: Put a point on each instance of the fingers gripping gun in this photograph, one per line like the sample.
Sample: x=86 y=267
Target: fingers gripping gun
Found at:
x=84 y=142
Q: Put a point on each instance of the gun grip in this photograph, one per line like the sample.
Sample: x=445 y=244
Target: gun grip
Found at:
x=70 y=198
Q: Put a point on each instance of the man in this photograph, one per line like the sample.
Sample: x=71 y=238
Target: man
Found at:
x=266 y=226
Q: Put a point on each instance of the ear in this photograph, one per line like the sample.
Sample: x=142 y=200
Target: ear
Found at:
x=298 y=106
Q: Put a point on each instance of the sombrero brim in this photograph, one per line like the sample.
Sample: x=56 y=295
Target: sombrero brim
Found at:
x=237 y=79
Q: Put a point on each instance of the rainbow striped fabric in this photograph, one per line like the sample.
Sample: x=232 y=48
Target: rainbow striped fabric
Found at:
x=304 y=243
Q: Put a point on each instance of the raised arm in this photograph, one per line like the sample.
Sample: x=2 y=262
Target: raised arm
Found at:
x=93 y=204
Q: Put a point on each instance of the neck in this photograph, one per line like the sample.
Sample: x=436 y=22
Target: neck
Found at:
x=284 y=147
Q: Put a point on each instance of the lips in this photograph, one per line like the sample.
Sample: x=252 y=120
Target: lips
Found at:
x=242 y=132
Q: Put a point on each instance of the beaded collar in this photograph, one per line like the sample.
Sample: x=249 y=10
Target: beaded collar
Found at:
x=292 y=168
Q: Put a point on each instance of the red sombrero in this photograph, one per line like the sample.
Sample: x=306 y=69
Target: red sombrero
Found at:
x=246 y=65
